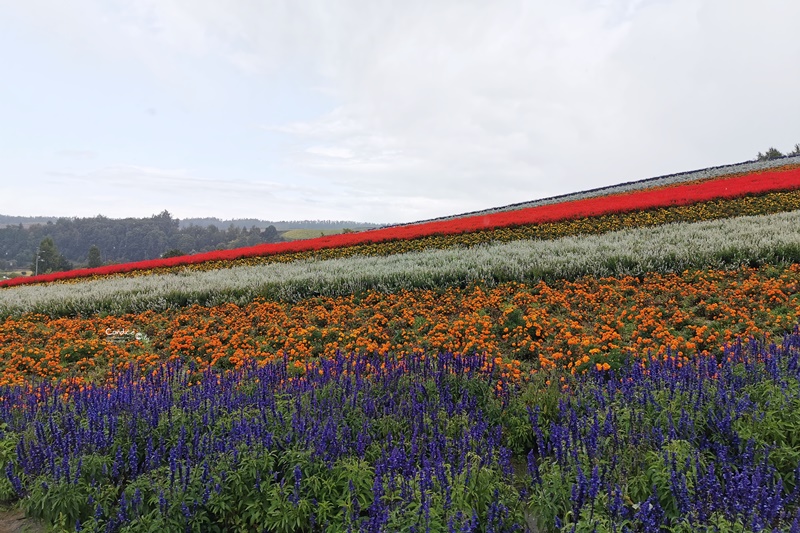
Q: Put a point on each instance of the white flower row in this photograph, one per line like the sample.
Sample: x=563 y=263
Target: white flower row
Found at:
x=671 y=247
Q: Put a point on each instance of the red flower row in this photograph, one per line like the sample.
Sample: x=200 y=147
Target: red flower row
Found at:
x=685 y=194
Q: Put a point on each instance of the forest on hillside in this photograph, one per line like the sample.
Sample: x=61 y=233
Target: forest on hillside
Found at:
x=121 y=240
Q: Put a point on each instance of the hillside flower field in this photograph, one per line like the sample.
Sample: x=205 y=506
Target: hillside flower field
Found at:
x=718 y=188
x=621 y=360
x=679 y=246
x=565 y=324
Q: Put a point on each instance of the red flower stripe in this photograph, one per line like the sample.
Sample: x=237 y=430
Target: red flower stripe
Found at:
x=685 y=194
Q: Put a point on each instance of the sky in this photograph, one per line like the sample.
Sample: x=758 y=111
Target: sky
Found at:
x=375 y=110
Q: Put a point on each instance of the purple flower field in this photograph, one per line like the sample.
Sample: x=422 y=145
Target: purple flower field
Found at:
x=366 y=443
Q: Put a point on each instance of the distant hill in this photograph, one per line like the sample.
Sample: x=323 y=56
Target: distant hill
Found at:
x=300 y=234
x=135 y=239
x=280 y=225
x=7 y=220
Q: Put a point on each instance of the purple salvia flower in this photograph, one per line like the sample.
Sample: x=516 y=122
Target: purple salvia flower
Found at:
x=16 y=483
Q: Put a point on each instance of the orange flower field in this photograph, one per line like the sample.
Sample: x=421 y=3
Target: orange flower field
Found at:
x=565 y=324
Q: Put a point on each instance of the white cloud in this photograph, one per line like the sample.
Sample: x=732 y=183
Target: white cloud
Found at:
x=451 y=106
x=76 y=154
x=131 y=190
x=467 y=101
x=331 y=152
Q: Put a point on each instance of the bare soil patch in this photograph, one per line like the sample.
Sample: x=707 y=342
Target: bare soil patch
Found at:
x=14 y=521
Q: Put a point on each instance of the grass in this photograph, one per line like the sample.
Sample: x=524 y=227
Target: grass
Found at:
x=300 y=234
x=7 y=274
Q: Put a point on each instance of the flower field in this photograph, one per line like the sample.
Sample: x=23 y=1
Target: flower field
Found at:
x=377 y=443
x=722 y=188
x=623 y=360
x=666 y=248
x=565 y=324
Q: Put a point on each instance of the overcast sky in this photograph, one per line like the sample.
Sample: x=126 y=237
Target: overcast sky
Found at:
x=377 y=110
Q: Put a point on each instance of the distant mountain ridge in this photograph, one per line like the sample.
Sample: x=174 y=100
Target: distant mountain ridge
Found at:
x=8 y=220
x=281 y=225
x=125 y=240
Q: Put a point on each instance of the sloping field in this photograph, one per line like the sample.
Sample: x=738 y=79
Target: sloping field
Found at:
x=299 y=234
x=625 y=359
x=786 y=178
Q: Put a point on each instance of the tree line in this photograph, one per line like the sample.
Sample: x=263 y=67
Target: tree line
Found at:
x=774 y=153
x=70 y=242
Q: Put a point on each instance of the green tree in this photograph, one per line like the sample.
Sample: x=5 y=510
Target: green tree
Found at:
x=94 y=258
x=47 y=259
x=172 y=253
x=796 y=150
x=270 y=234
x=772 y=153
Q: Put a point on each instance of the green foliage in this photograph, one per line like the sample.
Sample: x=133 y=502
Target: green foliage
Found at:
x=8 y=444
x=551 y=498
x=124 y=240
x=776 y=427
x=772 y=153
x=56 y=503
x=48 y=259
x=172 y=253
x=300 y=234
x=94 y=259
x=540 y=395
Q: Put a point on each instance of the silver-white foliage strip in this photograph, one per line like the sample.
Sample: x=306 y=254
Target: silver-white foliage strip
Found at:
x=671 y=247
